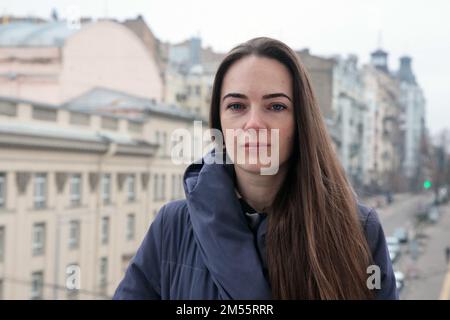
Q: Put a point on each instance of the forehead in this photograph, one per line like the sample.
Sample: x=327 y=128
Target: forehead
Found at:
x=259 y=75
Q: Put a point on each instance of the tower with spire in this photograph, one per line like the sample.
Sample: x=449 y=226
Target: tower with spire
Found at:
x=379 y=59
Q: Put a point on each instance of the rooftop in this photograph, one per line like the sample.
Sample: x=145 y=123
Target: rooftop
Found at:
x=30 y=34
x=108 y=99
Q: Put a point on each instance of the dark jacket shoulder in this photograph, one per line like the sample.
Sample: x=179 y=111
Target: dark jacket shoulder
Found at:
x=376 y=240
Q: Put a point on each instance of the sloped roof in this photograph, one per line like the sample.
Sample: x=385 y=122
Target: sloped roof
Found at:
x=104 y=98
x=29 y=34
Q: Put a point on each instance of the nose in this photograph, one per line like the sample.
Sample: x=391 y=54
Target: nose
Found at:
x=255 y=120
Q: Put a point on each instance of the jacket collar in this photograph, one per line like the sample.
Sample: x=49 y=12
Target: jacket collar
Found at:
x=226 y=243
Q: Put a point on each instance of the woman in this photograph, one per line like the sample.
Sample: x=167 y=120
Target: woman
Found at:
x=295 y=234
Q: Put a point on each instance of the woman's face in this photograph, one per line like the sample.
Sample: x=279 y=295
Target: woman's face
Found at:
x=256 y=94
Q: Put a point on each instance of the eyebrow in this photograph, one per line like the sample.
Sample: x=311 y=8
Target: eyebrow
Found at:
x=267 y=96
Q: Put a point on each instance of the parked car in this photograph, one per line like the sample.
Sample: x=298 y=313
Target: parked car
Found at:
x=433 y=214
x=423 y=212
x=441 y=196
x=401 y=234
x=393 y=245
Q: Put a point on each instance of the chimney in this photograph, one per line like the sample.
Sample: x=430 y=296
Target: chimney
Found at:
x=405 y=72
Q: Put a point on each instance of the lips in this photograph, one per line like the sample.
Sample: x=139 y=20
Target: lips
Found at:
x=256 y=145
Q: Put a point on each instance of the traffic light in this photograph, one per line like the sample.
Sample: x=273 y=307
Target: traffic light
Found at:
x=427 y=184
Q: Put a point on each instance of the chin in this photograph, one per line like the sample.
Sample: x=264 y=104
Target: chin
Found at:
x=258 y=168
x=251 y=163
x=251 y=168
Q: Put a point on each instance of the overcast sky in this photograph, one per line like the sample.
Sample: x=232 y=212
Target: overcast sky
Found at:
x=417 y=28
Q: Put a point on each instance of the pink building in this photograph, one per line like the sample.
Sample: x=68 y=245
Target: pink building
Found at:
x=52 y=63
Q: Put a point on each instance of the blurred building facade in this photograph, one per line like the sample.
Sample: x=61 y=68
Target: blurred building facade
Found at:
x=78 y=189
x=413 y=103
x=189 y=75
x=350 y=108
x=382 y=152
x=397 y=113
x=321 y=70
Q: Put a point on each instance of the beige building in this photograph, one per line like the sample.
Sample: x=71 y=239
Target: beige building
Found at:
x=321 y=71
x=414 y=103
x=189 y=75
x=350 y=109
x=323 y=79
x=382 y=135
x=191 y=90
x=53 y=62
x=78 y=191
x=362 y=107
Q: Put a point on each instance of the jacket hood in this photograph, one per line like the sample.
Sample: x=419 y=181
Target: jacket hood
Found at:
x=226 y=243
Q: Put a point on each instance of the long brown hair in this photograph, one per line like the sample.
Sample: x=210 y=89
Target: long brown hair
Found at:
x=315 y=244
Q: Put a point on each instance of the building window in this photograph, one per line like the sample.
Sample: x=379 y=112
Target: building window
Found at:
x=75 y=189
x=109 y=123
x=163 y=187
x=135 y=127
x=37 y=285
x=180 y=185
x=131 y=183
x=197 y=90
x=79 y=118
x=131 y=226
x=8 y=109
x=103 y=280
x=164 y=144
x=74 y=234
x=161 y=141
x=38 y=244
x=158 y=142
x=159 y=187
x=40 y=190
x=156 y=187
x=106 y=188
x=2 y=243
x=45 y=114
x=173 y=187
x=176 y=186
x=2 y=189
x=105 y=230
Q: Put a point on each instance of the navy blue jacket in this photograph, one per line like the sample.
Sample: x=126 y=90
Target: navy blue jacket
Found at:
x=203 y=247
